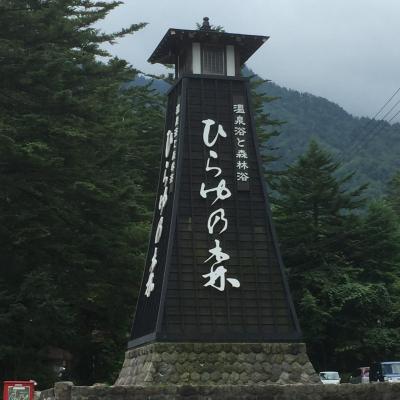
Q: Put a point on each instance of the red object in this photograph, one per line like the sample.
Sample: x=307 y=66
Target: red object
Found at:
x=19 y=390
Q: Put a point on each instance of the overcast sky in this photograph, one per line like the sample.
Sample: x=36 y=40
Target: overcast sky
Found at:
x=345 y=50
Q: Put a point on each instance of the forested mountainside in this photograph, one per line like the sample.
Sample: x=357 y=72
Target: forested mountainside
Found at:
x=368 y=147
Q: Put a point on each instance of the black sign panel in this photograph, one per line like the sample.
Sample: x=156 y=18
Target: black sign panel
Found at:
x=241 y=138
x=223 y=277
x=148 y=306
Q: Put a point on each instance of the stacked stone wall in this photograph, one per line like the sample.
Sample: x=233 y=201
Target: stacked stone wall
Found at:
x=379 y=391
x=217 y=364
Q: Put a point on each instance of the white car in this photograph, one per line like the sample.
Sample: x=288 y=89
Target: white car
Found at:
x=329 y=377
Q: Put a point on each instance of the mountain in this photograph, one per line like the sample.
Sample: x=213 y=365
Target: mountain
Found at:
x=368 y=147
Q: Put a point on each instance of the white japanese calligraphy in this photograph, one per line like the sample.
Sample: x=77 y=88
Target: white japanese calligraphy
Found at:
x=206 y=132
x=219 y=274
x=216 y=276
x=171 y=179
x=170 y=152
x=239 y=120
x=163 y=200
x=159 y=230
x=214 y=155
x=165 y=175
x=240 y=142
x=242 y=176
x=241 y=154
x=242 y=165
x=238 y=108
x=222 y=192
x=150 y=280
x=217 y=253
x=149 y=285
x=239 y=131
x=168 y=143
x=154 y=260
x=214 y=218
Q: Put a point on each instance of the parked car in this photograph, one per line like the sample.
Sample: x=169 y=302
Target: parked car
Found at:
x=329 y=377
x=360 y=375
x=388 y=371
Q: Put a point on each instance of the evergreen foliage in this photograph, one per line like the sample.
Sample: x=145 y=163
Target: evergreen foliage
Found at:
x=343 y=266
x=394 y=193
x=77 y=176
x=79 y=151
x=266 y=127
x=313 y=205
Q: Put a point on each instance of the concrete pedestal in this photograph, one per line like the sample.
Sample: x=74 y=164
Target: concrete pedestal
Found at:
x=217 y=364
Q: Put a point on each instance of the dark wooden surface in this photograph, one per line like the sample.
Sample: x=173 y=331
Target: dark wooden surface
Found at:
x=261 y=309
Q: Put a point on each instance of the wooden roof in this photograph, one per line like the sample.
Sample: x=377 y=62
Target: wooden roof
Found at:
x=176 y=39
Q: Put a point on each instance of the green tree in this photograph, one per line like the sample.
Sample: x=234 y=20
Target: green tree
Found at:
x=378 y=255
x=313 y=213
x=378 y=247
x=342 y=263
x=317 y=226
x=266 y=126
x=394 y=193
x=75 y=174
x=346 y=322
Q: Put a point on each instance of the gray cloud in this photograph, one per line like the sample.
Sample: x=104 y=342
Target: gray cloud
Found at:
x=344 y=50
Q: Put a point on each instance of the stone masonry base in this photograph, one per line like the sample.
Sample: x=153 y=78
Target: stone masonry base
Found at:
x=217 y=364
x=380 y=391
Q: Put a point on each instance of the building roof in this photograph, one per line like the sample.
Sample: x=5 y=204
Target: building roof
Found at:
x=175 y=39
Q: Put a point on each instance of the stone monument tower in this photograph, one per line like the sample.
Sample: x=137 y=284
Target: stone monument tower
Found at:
x=214 y=305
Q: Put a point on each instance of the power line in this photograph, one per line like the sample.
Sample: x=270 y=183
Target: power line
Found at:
x=378 y=128
x=390 y=110
x=356 y=144
x=387 y=102
x=351 y=148
x=390 y=120
x=394 y=116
